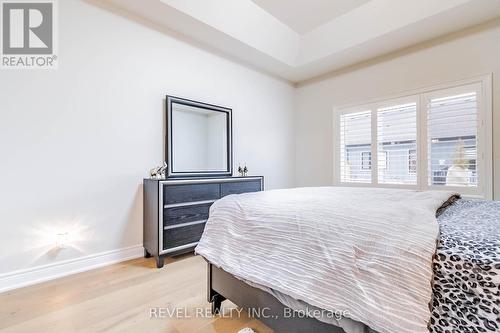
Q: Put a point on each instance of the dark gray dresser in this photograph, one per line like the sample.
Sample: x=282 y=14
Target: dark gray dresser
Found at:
x=175 y=211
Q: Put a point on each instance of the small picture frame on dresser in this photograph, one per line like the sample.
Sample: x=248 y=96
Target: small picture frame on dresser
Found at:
x=176 y=210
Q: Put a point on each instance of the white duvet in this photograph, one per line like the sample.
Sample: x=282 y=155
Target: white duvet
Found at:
x=364 y=251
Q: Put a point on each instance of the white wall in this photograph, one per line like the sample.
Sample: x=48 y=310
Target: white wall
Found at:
x=461 y=56
x=76 y=142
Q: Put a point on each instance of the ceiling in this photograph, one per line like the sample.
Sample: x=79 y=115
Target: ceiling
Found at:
x=301 y=39
x=304 y=15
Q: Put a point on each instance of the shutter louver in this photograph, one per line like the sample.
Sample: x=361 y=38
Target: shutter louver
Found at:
x=355 y=147
x=452 y=140
x=397 y=144
x=435 y=139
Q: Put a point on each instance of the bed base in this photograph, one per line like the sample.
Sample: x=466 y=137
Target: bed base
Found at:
x=222 y=286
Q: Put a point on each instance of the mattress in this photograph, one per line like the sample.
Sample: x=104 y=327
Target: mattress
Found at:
x=364 y=251
x=466 y=283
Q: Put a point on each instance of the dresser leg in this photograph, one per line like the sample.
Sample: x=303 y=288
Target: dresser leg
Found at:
x=159 y=261
x=217 y=303
x=147 y=254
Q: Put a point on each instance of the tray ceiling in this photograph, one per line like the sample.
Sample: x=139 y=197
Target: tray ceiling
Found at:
x=301 y=39
x=304 y=16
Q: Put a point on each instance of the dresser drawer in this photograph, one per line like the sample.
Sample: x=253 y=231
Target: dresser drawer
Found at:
x=177 y=210
x=240 y=187
x=185 y=214
x=176 y=237
x=174 y=194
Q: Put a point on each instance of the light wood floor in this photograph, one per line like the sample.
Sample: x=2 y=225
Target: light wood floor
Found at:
x=118 y=298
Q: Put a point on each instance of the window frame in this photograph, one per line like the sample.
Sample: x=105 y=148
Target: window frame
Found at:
x=484 y=163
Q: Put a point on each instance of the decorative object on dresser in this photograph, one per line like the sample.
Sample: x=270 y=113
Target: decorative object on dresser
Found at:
x=175 y=210
x=158 y=172
x=243 y=171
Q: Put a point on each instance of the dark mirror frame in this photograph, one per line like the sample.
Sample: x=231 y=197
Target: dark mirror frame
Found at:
x=168 y=139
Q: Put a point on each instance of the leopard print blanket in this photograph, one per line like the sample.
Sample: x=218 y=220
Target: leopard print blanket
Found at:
x=467 y=269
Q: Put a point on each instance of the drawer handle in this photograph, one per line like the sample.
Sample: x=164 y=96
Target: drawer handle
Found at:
x=180 y=225
x=178 y=248
x=186 y=204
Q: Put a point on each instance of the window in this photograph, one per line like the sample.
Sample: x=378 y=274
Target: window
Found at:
x=382 y=160
x=438 y=138
x=412 y=162
x=355 y=129
x=450 y=163
x=396 y=134
x=366 y=160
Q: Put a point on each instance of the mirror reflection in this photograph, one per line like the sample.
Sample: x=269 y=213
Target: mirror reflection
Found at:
x=199 y=139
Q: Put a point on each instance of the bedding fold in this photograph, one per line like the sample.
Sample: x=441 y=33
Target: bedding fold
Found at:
x=365 y=251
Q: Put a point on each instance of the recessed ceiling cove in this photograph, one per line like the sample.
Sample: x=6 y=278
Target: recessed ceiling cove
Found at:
x=300 y=39
x=305 y=15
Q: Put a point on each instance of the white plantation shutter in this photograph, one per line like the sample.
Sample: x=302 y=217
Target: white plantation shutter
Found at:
x=436 y=139
x=397 y=143
x=355 y=147
x=452 y=123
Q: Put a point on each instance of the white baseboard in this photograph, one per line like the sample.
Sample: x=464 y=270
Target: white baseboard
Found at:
x=30 y=276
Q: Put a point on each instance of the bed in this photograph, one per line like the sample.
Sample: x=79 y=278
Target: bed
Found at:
x=461 y=282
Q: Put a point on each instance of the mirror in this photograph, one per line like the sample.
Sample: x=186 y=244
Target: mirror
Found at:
x=198 y=139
